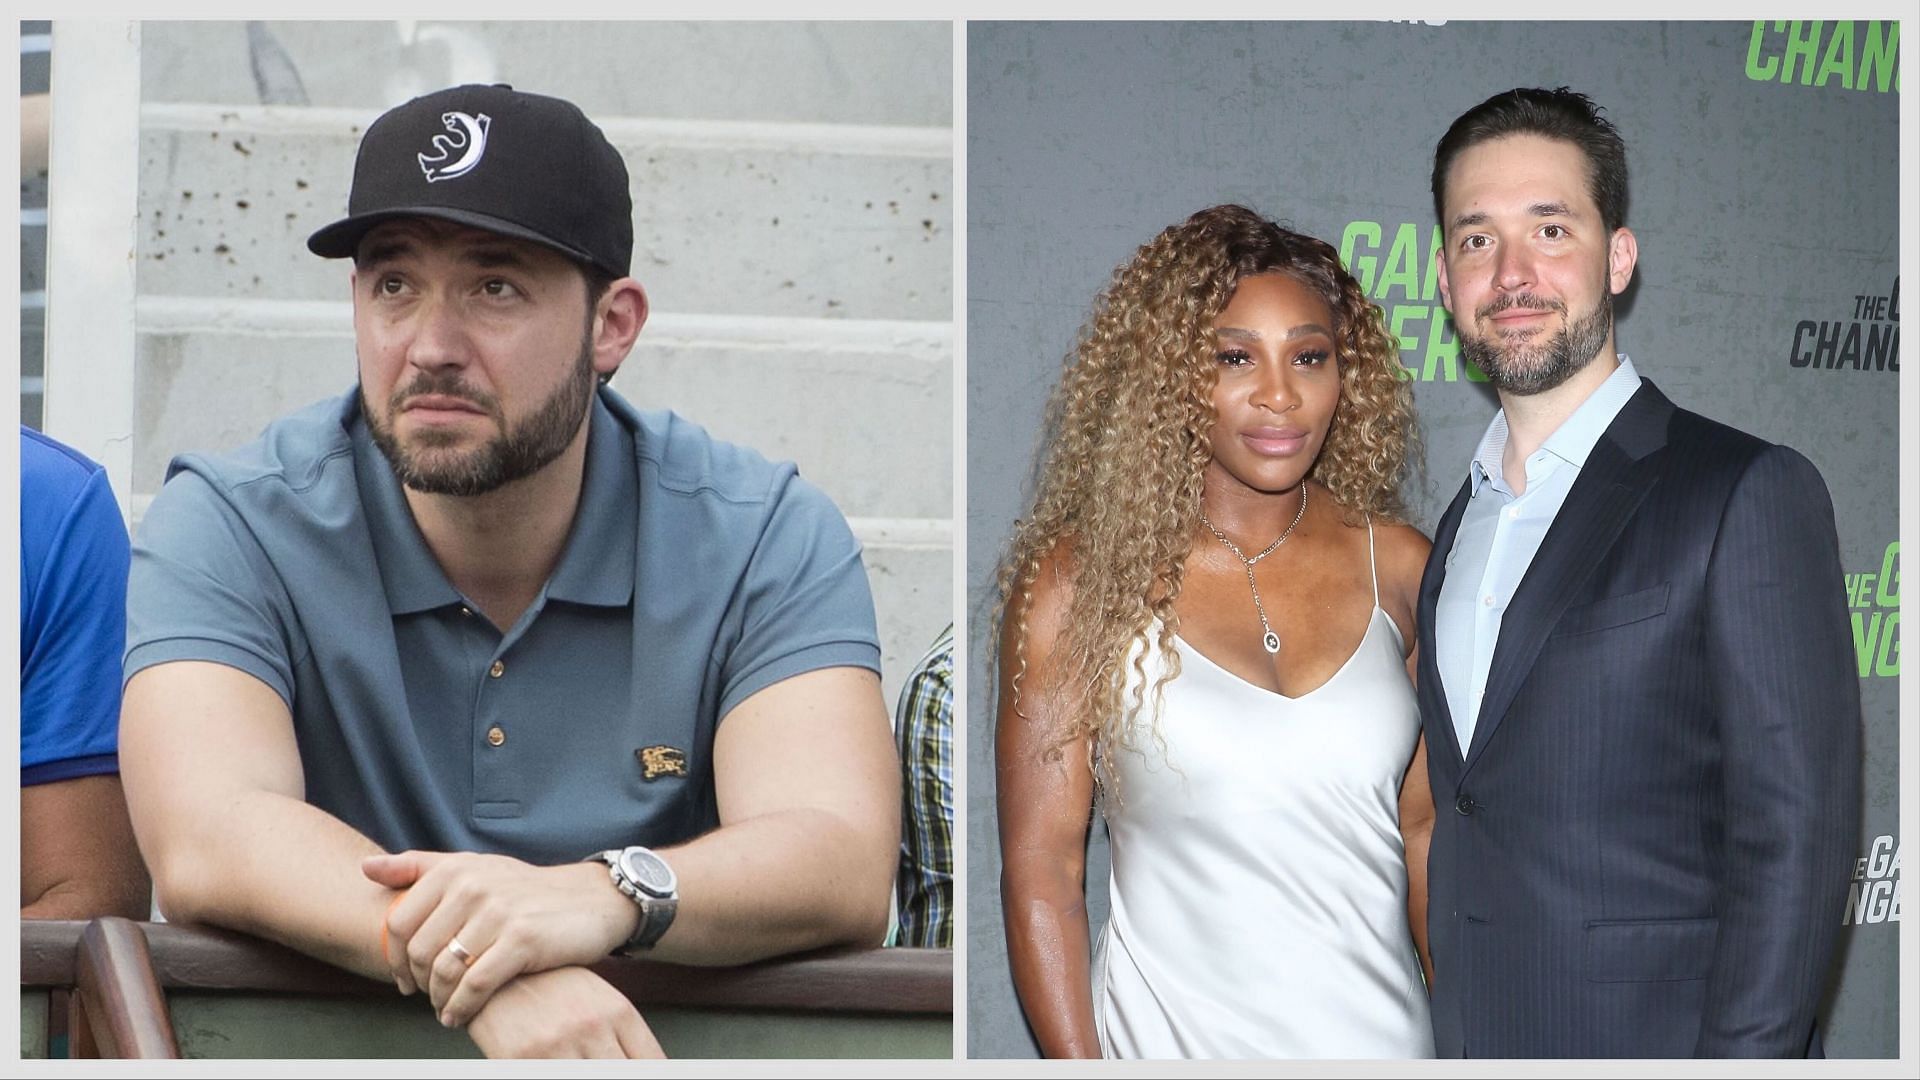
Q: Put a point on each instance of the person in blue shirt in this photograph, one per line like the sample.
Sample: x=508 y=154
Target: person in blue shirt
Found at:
x=77 y=855
x=476 y=673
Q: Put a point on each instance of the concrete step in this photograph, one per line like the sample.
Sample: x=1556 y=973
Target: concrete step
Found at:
x=866 y=409
x=836 y=72
x=912 y=596
x=33 y=273
x=33 y=332
x=729 y=218
x=33 y=246
x=33 y=228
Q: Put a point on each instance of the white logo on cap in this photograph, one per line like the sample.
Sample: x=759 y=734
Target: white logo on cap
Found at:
x=469 y=136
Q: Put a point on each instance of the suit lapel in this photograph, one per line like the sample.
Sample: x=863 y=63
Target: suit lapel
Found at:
x=1433 y=695
x=1616 y=477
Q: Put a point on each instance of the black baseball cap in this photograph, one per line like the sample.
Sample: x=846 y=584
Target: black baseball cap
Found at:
x=495 y=158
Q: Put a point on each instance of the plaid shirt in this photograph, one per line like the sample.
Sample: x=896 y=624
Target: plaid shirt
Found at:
x=924 y=728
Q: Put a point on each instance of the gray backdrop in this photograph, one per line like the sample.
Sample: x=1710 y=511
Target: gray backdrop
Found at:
x=1764 y=158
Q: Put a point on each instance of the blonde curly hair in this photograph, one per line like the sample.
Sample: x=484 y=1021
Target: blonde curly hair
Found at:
x=1118 y=504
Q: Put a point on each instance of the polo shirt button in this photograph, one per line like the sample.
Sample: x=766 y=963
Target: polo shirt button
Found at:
x=495 y=736
x=498 y=669
x=467 y=611
x=1487 y=601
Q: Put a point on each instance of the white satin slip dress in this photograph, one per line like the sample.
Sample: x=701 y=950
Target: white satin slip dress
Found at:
x=1259 y=887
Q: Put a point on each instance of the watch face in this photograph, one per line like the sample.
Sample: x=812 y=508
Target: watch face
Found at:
x=647 y=871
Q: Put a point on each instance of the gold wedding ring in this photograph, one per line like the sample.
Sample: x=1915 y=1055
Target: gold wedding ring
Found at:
x=460 y=952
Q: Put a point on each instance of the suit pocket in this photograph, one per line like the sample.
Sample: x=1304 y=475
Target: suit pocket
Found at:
x=1613 y=611
x=1650 y=950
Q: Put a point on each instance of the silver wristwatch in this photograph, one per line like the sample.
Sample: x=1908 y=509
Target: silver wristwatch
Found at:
x=648 y=881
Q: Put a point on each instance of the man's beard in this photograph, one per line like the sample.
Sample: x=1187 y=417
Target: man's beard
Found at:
x=518 y=452
x=1533 y=369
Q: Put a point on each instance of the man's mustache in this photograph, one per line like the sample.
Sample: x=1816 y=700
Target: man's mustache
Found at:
x=448 y=385
x=1508 y=301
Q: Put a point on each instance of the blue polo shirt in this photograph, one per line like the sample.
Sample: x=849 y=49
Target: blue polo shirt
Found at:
x=696 y=573
x=73 y=602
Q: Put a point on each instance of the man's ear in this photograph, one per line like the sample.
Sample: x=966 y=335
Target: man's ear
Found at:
x=1623 y=254
x=617 y=319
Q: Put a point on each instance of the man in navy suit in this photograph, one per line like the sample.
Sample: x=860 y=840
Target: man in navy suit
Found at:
x=1642 y=721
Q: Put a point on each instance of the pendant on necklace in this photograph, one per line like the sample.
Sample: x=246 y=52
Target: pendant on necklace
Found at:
x=1272 y=642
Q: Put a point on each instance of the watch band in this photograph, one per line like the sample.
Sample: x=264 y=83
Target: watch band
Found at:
x=655 y=916
x=658 y=902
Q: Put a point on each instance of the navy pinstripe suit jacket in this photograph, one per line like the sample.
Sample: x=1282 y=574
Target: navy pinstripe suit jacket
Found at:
x=1644 y=852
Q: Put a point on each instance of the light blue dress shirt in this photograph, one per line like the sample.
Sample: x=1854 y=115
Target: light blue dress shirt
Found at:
x=1499 y=534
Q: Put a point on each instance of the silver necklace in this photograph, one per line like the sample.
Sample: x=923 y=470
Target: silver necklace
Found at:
x=1269 y=640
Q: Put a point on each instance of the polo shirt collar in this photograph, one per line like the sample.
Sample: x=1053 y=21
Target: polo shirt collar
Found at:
x=596 y=566
x=1573 y=440
x=408 y=571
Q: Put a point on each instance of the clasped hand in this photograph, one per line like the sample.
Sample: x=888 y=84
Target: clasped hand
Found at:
x=509 y=917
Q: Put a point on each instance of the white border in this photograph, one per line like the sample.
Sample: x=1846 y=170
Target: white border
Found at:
x=962 y=666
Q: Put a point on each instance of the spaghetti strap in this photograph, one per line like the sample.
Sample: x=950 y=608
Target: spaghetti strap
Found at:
x=1373 y=566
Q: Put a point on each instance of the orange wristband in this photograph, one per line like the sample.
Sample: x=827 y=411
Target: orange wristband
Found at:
x=397 y=897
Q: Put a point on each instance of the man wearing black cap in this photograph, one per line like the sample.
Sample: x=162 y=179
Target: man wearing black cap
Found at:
x=476 y=673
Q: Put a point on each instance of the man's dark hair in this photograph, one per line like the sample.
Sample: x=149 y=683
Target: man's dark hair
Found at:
x=1555 y=114
x=598 y=282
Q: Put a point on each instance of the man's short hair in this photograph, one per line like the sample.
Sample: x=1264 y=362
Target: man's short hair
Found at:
x=1561 y=114
x=598 y=282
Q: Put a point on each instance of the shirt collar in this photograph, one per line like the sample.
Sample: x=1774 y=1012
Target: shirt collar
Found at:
x=1573 y=440
x=596 y=566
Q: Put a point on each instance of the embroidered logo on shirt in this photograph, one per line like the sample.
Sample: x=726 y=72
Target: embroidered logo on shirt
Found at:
x=658 y=761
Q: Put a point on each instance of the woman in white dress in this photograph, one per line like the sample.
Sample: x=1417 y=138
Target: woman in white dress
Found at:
x=1206 y=621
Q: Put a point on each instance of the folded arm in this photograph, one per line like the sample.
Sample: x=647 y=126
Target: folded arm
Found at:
x=213 y=782
x=77 y=855
x=807 y=786
x=217 y=796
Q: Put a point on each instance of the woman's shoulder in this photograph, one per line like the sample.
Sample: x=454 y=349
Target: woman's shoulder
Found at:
x=1393 y=540
x=1038 y=600
x=1401 y=552
x=1400 y=540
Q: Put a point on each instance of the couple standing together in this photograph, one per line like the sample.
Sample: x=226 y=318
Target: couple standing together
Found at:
x=1586 y=785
